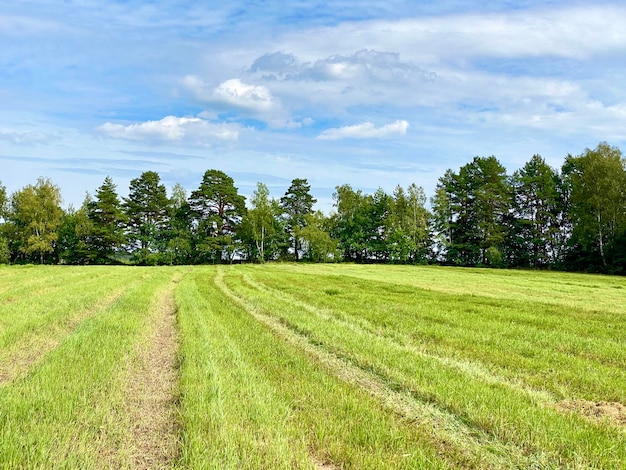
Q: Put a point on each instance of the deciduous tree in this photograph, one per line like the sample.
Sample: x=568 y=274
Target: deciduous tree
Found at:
x=178 y=249
x=75 y=244
x=597 y=181
x=409 y=234
x=3 y=200
x=5 y=252
x=266 y=229
x=36 y=215
x=320 y=246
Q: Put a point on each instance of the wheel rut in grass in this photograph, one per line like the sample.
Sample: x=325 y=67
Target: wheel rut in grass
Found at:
x=151 y=389
x=463 y=445
x=472 y=369
x=34 y=348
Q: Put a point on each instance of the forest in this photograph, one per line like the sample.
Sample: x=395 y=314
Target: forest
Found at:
x=539 y=217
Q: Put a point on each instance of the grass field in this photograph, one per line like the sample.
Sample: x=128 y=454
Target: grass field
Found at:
x=311 y=366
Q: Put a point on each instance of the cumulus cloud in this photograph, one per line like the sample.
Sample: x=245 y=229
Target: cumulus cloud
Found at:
x=173 y=129
x=237 y=94
x=366 y=130
x=247 y=100
x=232 y=93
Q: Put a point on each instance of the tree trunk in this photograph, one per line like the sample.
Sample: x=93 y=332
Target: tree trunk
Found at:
x=262 y=244
x=600 y=240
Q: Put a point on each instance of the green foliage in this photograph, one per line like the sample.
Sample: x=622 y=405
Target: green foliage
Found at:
x=75 y=237
x=178 y=235
x=3 y=201
x=409 y=233
x=535 y=218
x=5 y=252
x=361 y=223
x=536 y=237
x=36 y=215
x=320 y=247
x=108 y=219
x=493 y=257
x=471 y=210
x=146 y=211
x=218 y=209
x=597 y=183
x=296 y=204
x=263 y=228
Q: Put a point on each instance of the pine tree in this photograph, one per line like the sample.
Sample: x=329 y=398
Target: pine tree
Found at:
x=108 y=222
x=218 y=209
x=146 y=209
x=297 y=203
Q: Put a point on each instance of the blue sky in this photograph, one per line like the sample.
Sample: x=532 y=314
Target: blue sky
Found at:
x=372 y=94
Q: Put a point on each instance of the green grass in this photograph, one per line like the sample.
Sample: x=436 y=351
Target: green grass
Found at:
x=497 y=364
x=67 y=411
x=249 y=399
x=44 y=307
x=317 y=366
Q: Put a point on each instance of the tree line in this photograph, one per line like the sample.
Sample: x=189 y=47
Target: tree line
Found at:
x=573 y=218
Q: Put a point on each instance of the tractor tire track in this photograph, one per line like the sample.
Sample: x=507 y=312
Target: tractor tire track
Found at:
x=151 y=389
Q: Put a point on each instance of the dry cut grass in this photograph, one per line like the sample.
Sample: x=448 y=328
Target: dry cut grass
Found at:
x=151 y=389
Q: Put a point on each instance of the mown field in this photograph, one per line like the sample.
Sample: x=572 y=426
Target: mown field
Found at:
x=310 y=366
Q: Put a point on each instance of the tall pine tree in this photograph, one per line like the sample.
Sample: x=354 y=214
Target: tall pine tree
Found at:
x=146 y=209
x=108 y=221
x=218 y=209
x=297 y=203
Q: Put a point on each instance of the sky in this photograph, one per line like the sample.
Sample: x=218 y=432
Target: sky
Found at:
x=366 y=93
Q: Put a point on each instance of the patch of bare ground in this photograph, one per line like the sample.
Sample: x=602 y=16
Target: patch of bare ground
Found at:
x=322 y=464
x=35 y=346
x=612 y=412
x=150 y=391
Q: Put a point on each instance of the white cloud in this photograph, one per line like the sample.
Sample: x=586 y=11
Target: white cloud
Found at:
x=574 y=32
x=249 y=101
x=241 y=95
x=27 y=137
x=366 y=130
x=231 y=93
x=507 y=62
x=173 y=129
